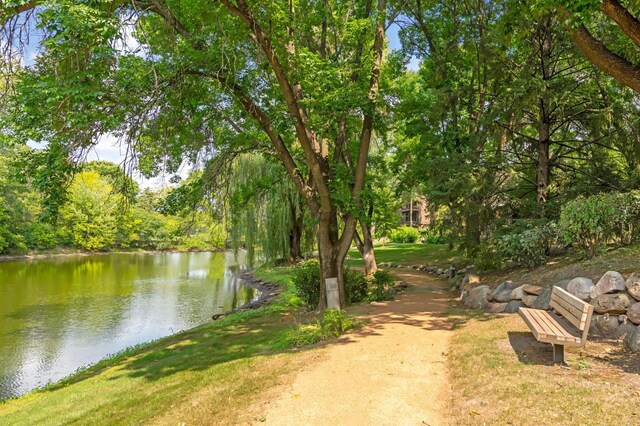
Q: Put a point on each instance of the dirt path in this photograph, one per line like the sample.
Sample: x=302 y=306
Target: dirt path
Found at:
x=392 y=372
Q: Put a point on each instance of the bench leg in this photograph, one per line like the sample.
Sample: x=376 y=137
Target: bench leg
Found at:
x=558 y=353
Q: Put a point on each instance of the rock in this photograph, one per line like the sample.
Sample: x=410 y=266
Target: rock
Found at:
x=543 y=301
x=477 y=297
x=593 y=328
x=469 y=281
x=624 y=330
x=562 y=284
x=633 y=286
x=633 y=313
x=532 y=289
x=517 y=293
x=496 y=308
x=580 y=287
x=607 y=324
x=513 y=306
x=616 y=303
x=611 y=282
x=503 y=291
x=490 y=296
x=529 y=299
x=632 y=341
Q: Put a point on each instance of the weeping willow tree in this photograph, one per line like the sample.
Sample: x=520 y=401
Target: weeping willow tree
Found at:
x=267 y=213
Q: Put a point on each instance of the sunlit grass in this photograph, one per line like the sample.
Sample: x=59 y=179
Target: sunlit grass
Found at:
x=410 y=254
x=206 y=375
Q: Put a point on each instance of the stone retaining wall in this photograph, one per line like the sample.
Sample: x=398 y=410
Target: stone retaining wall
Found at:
x=616 y=300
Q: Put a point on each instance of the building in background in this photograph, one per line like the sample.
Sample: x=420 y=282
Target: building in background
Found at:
x=415 y=213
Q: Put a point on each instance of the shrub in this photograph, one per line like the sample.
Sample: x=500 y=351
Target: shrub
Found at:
x=431 y=236
x=486 y=257
x=334 y=324
x=529 y=247
x=381 y=286
x=306 y=279
x=404 y=234
x=589 y=223
x=356 y=286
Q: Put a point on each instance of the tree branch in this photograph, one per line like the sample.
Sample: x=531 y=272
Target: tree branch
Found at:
x=601 y=57
x=627 y=22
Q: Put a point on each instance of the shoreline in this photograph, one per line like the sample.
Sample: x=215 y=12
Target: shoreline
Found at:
x=268 y=294
x=36 y=256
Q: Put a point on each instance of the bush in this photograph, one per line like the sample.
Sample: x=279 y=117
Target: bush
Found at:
x=306 y=279
x=486 y=257
x=431 y=236
x=355 y=285
x=381 y=286
x=529 y=247
x=334 y=324
x=590 y=223
x=404 y=234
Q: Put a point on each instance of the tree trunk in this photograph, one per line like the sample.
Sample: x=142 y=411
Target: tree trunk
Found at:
x=365 y=247
x=331 y=259
x=295 y=234
x=544 y=125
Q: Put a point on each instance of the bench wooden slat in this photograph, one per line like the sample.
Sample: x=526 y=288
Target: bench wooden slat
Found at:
x=549 y=328
x=532 y=323
x=560 y=293
x=559 y=333
x=576 y=316
x=575 y=310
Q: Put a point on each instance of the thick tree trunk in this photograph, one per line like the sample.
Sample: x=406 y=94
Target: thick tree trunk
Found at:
x=331 y=257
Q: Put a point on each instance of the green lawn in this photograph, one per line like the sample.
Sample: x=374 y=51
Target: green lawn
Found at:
x=211 y=372
x=410 y=254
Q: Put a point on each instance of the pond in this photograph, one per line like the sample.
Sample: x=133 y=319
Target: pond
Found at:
x=60 y=314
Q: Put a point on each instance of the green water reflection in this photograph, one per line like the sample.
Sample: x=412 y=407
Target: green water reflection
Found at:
x=59 y=314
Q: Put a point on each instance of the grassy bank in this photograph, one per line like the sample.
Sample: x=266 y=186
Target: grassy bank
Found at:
x=210 y=372
x=410 y=254
x=501 y=375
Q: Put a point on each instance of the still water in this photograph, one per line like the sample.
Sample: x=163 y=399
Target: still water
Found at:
x=59 y=314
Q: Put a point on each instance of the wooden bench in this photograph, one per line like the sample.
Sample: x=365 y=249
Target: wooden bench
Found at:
x=570 y=329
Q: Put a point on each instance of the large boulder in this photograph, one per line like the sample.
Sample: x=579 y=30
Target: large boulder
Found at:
x=503 y=292
x=580 y=287
x=632 y=340
x=477 y=297
x=633 y=286
x=562 y=284
x=543 y=301
x=607 y=324
x=496 y=308
x=611 y=282
x=529 y=299
x=532 y=289
x=617 y=303
x=469 y=281
x=513 y=306
x=624 y=330
x=517 y=293
x=633 y=313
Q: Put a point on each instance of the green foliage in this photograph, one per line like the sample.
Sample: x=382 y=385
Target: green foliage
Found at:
x=404 y=234
x=432 y=236
x=381 y=287
x=356 y=286
x=334 y=323
x=306 y=279
x=591 y=223
x=529 y=247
